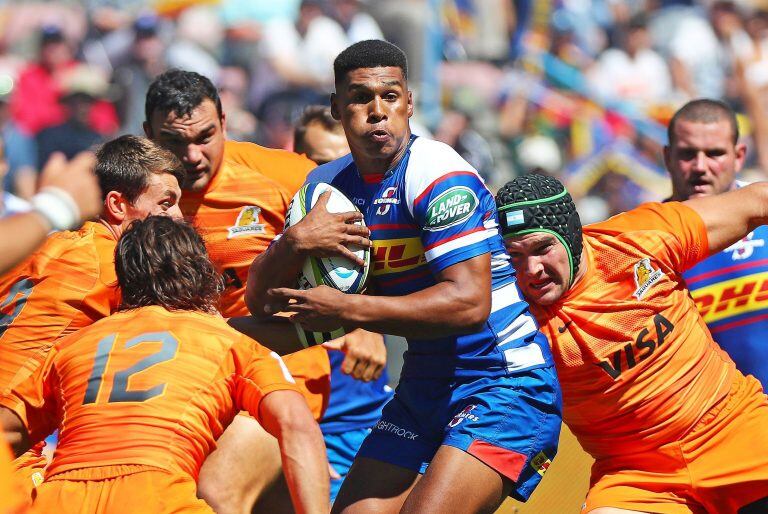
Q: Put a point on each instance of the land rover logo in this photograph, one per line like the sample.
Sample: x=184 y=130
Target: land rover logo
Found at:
x=450 y=208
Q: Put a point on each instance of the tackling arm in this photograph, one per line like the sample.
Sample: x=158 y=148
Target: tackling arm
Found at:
x=285 y=415
x=730 y=216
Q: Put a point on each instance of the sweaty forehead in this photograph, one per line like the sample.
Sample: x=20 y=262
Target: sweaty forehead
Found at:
x=703 y=134
x=531 y=239
x=202 y=118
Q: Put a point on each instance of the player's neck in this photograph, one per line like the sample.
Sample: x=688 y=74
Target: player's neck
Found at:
x=380 y=166
x=115 y=229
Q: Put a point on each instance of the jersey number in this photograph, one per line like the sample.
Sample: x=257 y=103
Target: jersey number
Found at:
x=19 y=291
x=120 y=392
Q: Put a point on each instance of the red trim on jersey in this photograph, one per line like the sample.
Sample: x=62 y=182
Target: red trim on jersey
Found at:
x=507 y=462
x=739 y=323
x=457 y=236
x=723 y=271
x=436 y=182
x=372 y=179
x=391 y=226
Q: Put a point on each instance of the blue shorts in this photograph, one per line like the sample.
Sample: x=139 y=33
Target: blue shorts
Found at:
x=341 y=450
x=511 y=423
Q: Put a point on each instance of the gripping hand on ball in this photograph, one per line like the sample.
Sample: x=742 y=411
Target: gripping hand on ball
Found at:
x=318 y=309
x=324 y=234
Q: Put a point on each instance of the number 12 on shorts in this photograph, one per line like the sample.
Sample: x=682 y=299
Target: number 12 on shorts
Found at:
x=120 y=393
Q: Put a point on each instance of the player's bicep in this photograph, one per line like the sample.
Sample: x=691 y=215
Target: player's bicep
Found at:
x=732 y=215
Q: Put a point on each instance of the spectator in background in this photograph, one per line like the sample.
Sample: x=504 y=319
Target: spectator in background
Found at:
x=35 y=104
x=297 y=57
x=20 y=153
x=233 y=89
x=195 y=47
x=146 y=60
x=633 y=73
x=357 y=24
x=9 y=203
x=81 y=87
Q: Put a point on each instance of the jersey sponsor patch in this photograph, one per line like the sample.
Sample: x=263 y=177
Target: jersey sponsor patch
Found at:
x=645 y=277
x=396 y=255
x=247 y=222
x=733 y=297
x=450 y=208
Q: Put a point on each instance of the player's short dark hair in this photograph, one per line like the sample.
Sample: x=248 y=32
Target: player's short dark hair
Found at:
x=125 y=164
x=371 y=53
x=163 y=261
x=180 y=92
x=705 y=110
x=312 y=114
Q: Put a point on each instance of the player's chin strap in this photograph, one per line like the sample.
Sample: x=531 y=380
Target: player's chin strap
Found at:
x=555 y=214
x=308 y=338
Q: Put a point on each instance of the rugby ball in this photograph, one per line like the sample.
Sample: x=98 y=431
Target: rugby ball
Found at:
x=337 y=272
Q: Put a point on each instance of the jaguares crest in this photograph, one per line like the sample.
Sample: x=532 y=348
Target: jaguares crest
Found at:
x=247 y=222
x=645 y=277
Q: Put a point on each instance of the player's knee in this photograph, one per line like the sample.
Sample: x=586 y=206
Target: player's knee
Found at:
x=223 y=496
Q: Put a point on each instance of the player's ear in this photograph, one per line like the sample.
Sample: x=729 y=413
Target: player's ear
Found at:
x=334 y=108
x=410 y=103
x=224 y=125
x=115 y=207
x=741 y=154
x=147 y=129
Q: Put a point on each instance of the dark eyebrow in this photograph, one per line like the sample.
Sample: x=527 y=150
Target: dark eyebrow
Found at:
x=175 y=135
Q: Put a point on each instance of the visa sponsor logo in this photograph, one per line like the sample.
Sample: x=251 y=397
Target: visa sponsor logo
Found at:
x=396 y=255
x=732 y=297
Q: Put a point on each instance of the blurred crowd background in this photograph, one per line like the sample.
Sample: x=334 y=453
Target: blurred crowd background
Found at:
x=576 y=88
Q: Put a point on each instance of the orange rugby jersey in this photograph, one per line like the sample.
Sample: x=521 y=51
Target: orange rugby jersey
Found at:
x=238 y=215
x=146 y=387
x=637 y=364
x=67 y=284
x=286 y=168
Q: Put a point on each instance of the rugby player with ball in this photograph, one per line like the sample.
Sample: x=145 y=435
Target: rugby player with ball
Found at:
x=477 y=367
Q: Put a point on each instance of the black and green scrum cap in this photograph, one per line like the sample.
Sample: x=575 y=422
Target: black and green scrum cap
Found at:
x=538 y=203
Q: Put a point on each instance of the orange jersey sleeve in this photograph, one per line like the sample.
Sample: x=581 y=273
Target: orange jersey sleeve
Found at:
x=239 y=214
x=637 y=364
x=150 y=387
x=66 y=285
x=286 y=168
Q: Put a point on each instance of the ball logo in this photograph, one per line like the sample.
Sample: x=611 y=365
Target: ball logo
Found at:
x=450 y=208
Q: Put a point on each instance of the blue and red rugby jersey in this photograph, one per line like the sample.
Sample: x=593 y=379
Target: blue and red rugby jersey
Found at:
x=431 y=211
x=731 y=291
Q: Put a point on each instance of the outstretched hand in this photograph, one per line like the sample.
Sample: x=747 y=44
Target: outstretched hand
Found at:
x=364 y=354
x=324 y=234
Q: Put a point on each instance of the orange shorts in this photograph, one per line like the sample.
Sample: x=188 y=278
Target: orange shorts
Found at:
x=119 y=489
x=29 y=469
x=720 y=466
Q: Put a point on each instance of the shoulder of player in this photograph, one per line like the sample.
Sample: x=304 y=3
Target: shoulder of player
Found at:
x=239 y=177
x=646 y=217
x=430 y=156
x=255 y=156
x=329 y=171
